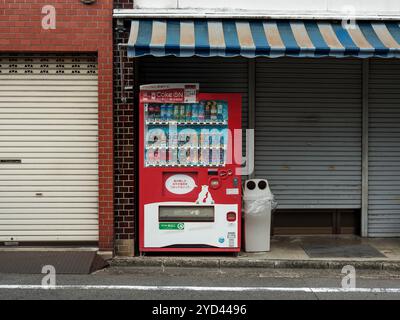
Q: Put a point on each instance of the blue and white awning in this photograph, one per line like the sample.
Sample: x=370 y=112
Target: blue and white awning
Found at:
x=269 y=38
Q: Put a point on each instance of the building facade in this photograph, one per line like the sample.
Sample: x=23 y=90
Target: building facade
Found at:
x=319 y=83
x=320 y=87
x=56 y=140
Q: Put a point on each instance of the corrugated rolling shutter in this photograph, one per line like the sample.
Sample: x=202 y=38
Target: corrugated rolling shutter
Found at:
x=48 y=148
x=308 y=131
x=215 y=75
x=384 y=149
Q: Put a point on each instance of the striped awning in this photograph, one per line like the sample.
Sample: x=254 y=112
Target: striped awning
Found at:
x=269 y=38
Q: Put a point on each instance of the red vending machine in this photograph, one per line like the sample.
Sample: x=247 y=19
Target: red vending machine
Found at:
x=189 y=178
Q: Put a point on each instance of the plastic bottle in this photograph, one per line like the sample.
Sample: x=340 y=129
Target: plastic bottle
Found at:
x=182 y=115
x=220 y=112
x=163 y=156
x=156 y=157
x=207 y=111
x=163 y=112
x=150 y=112
x=156 y=112
x=188 y=112
x=213 y=112
x=176 y=112
x=173 y=156
x=201 y=112
x=195 y=113
x=172 y=110
x=166 y=112
x=225 y=115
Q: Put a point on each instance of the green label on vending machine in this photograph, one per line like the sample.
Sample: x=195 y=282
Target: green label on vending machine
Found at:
x=171 y=226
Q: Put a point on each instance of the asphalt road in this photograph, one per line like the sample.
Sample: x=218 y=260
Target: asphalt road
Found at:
x=203 y=284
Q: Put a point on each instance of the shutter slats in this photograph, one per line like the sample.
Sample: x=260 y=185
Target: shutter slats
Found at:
x=308 y=131
x=48 y=121
x=384 y=149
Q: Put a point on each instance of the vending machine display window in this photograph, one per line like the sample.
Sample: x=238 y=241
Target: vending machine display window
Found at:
x=186 y=135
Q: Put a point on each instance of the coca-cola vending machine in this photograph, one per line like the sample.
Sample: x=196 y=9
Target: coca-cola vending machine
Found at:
x=189 y=171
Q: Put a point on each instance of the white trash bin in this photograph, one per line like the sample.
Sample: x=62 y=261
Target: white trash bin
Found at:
x=258 y=201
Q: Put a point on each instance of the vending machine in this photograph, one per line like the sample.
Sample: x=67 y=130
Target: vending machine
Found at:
x=189 y=171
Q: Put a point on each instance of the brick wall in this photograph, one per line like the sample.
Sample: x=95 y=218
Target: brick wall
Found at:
x=125 y=129
x=123 y=4
x=79 y=28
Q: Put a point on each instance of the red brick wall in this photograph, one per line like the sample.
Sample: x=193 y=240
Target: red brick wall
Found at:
x=79 y=28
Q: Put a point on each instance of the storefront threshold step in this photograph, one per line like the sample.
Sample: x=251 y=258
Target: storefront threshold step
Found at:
x=206 y=262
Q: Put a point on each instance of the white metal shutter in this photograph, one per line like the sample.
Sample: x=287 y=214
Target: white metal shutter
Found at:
x=308 y=131
x=48 y=121
x=384 y=149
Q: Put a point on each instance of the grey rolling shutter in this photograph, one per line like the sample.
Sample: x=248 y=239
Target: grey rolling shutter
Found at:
x=308 y=131
x=384 y=149
x=48 y=148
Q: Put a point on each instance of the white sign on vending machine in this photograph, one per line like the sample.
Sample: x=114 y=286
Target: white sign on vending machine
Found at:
x=180 y=184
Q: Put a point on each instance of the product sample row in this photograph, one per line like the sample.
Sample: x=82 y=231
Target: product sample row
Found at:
x=205 y=111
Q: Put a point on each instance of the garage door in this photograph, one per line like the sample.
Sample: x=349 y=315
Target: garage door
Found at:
x=48 y=148
x=384 y=149
x=308 y=131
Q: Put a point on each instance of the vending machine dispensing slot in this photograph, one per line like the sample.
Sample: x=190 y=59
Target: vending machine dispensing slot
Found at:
x=186 y=214
x=187 y=172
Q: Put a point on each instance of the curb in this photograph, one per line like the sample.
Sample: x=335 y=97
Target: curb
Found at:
x=251 y=263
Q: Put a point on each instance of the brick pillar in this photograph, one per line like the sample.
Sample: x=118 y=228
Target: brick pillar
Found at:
x=124 y=148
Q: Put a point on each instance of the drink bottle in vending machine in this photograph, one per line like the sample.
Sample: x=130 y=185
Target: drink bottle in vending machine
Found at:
x=189 y=195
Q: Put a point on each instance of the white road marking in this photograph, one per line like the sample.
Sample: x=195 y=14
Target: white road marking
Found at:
x=199 y=289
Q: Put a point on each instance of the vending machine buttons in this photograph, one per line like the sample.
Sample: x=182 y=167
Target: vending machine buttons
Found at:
x=215 y=183
x=231 y=216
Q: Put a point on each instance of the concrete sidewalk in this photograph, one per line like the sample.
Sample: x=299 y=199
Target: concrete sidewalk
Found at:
x=286 y=252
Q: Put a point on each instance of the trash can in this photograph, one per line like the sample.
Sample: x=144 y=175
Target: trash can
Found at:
x=258 y=202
